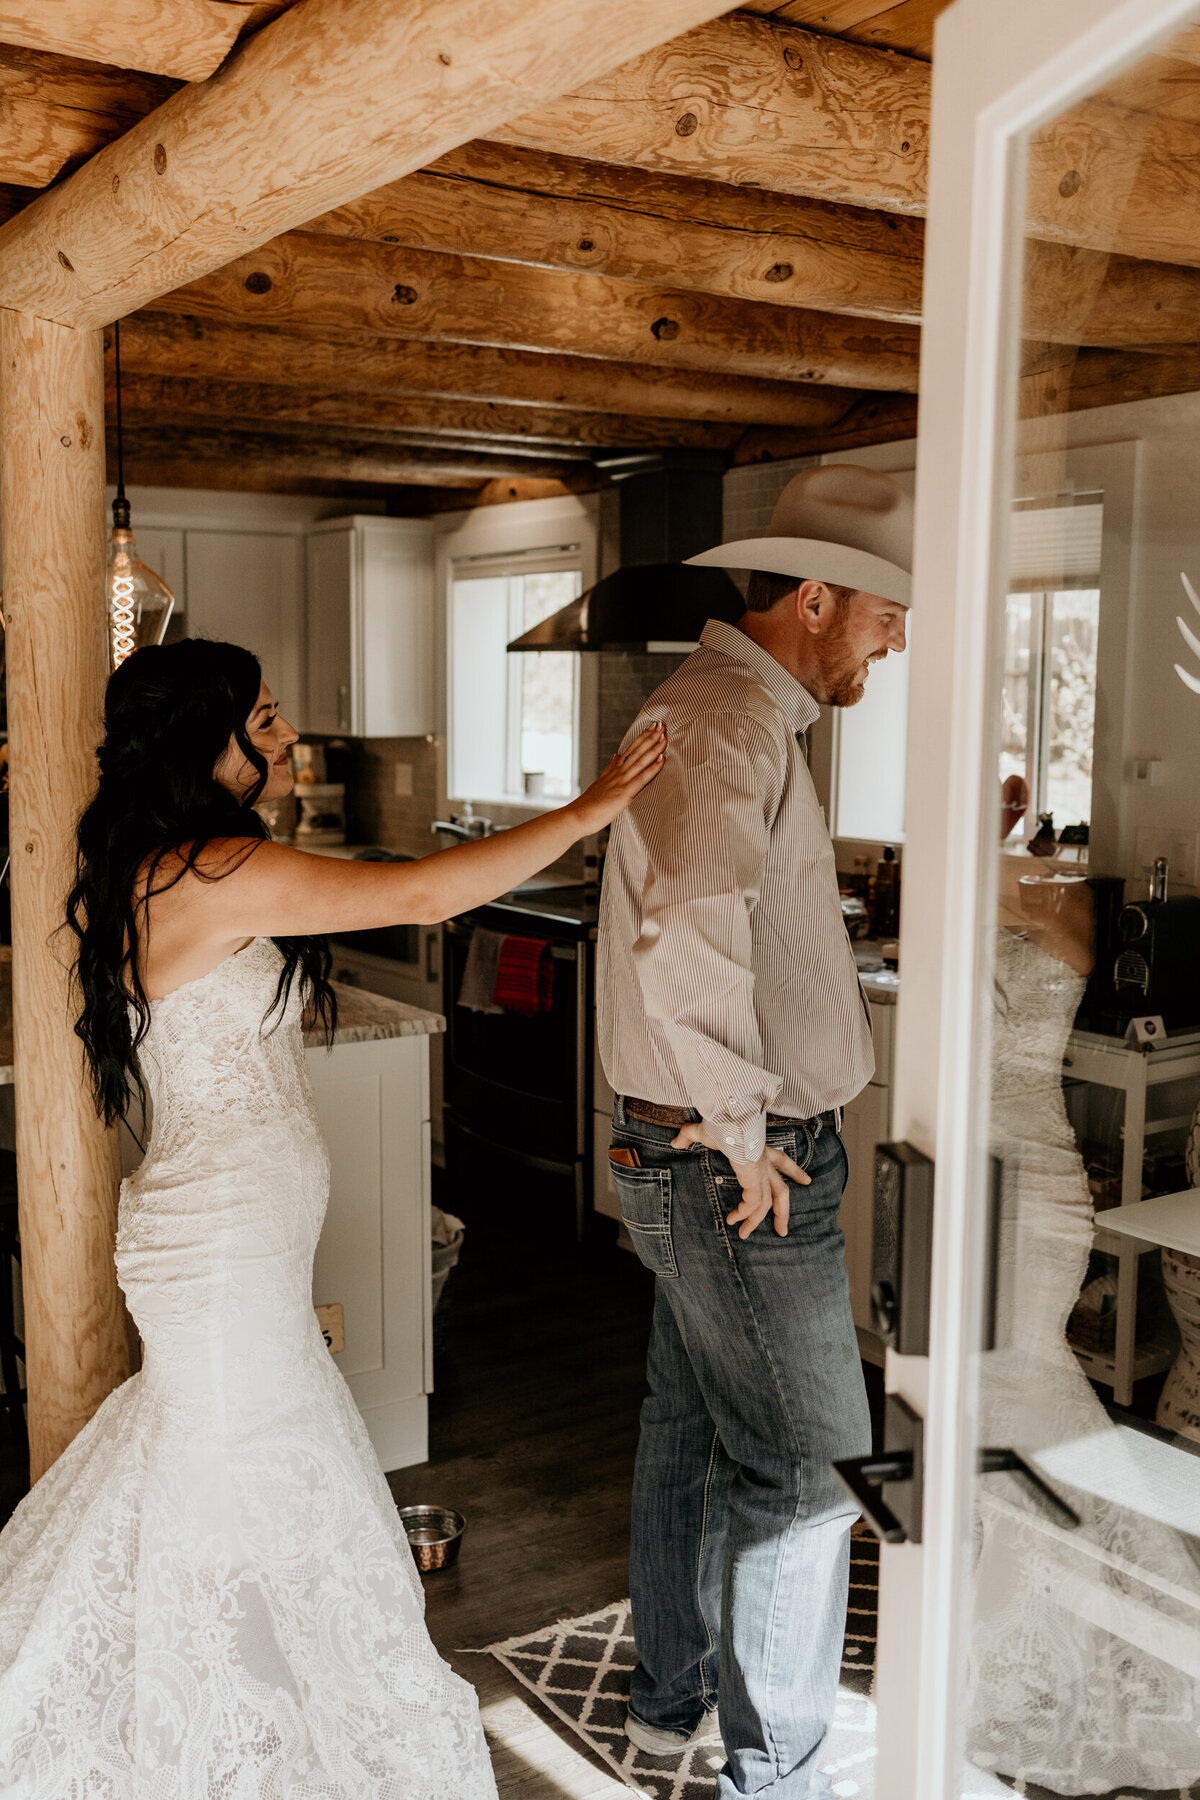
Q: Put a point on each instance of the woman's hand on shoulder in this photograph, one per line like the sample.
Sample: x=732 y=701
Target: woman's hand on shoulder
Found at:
x=626 y=775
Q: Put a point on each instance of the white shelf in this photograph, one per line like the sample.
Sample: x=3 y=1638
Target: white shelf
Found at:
x=1148 y=1359
x=1169 y=1220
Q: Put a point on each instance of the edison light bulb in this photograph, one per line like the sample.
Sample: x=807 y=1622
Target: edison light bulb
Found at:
x=139 y=601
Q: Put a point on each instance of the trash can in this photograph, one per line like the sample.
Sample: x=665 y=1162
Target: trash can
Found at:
x=447 y=1233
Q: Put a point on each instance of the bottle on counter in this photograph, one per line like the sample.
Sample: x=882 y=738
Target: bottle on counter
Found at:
x=885 y=920
x=859 y=882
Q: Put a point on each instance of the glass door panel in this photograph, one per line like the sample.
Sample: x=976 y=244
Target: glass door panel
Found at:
x=1081 y=1672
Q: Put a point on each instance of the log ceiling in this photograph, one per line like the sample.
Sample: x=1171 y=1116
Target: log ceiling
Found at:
x=717 y=244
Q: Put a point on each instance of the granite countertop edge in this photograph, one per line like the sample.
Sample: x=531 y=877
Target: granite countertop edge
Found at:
x=365 y=1018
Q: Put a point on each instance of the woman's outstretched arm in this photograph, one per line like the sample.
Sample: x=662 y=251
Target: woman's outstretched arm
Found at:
x=268 y=890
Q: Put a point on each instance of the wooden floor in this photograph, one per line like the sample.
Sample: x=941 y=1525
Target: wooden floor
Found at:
x=541 y=1350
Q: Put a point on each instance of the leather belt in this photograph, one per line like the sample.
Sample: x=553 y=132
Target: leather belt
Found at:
x=654 y=1114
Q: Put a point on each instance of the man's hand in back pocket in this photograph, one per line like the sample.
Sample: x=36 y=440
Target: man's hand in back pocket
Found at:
x=763 y=1184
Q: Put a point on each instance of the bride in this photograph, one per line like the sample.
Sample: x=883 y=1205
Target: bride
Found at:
x=209 y=1596
x=1060 y=1696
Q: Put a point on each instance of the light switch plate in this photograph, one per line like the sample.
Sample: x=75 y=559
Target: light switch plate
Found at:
x=1180 y=848
x=402 y=780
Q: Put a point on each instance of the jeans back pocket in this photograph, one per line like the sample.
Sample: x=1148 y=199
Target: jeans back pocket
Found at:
x=644 y=1196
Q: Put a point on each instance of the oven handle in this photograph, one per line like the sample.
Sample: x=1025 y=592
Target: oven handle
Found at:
x=560 y=952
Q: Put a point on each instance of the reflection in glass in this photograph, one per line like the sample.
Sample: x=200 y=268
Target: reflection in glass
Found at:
x=1050 y=700
x=1085 y=1651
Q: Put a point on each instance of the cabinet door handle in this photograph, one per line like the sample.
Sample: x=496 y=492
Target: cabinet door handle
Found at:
x=343 y=696
x=431 y=973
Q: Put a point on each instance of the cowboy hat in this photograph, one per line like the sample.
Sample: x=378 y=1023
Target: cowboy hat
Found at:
x=839 y=523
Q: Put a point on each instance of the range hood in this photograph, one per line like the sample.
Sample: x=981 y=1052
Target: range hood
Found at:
x=670 y=508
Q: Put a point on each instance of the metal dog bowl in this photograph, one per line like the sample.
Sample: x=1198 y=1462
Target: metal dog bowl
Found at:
x=434 y=1534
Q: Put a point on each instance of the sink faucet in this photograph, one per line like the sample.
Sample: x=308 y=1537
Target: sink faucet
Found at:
x=466 y=828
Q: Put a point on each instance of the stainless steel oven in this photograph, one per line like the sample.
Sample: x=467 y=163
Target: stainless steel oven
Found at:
x=518 y=1088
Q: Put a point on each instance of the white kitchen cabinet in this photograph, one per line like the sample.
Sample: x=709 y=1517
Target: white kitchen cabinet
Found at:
x=370 y=627
x=374 y=1255
x=247 y=587
x=417 y=983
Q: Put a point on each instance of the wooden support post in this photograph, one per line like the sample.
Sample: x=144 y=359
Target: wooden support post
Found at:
x=52 y=506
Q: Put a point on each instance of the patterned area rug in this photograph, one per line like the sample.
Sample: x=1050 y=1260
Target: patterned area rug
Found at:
x=580 y=1670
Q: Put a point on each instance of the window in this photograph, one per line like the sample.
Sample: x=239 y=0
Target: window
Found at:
x=1050 y=701
x=1050 y=665
x=514 y=720
x=1051 y=633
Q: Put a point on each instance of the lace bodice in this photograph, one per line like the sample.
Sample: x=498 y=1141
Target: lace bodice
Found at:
x=231 y=1113
x=1056 y=1699
x=210 y=1596
x=218 y=1069
x=1036 y=999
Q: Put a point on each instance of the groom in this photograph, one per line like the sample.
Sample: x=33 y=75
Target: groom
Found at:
x=733 y=1030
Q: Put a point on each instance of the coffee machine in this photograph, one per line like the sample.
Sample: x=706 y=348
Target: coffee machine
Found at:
x=1147 y=958
x=1157 y=964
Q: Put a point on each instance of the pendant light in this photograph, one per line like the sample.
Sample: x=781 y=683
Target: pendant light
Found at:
x=139 y=601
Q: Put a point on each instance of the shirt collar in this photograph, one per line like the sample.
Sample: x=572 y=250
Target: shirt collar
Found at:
x=796 y=703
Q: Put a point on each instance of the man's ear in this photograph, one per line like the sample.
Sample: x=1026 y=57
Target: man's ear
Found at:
x=814 y=605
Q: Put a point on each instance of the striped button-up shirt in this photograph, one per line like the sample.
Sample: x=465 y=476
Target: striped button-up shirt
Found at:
x=726 y=978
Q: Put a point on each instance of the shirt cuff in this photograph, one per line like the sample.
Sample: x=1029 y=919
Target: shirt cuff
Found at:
x=740 y=1143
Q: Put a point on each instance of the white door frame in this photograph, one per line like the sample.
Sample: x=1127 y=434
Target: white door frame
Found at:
x=997 y=72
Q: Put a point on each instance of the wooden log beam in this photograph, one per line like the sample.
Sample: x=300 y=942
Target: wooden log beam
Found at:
x=55 y=111
x=752 y=101
x=415 y=418
x=1093 y=378
x=343 y=284
x=1110 y=178
x=765 y=103
x=873 y=419
x=335 y=456
x=187 y=39
x=893 y=24
x=558 y=212
x=1056 y=380
x=491 y=200
x=169 y=344
x=52 y=500
x=263 y=468
x=329 y=100
x=1079 y=296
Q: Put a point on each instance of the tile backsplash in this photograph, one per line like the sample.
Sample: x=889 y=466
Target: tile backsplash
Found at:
x=375 y=812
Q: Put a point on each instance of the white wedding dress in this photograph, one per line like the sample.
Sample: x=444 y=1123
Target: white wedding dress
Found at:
x=1056 y=1698
x=210 y=1596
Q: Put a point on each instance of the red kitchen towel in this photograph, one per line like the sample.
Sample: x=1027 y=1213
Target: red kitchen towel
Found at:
x=525 y=976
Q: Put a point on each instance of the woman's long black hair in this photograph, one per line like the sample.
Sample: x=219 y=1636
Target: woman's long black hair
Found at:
x=169 y=714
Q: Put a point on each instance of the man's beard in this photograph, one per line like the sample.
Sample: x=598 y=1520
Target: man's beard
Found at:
x=839 y=667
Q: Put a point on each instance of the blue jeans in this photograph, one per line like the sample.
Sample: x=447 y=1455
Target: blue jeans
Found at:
x=739 y=1559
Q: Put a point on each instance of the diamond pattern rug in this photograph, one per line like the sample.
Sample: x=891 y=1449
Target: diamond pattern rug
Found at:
x=580 y=1670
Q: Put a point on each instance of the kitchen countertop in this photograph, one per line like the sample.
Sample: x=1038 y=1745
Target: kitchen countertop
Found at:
x=366 y=1018
x=881 y=986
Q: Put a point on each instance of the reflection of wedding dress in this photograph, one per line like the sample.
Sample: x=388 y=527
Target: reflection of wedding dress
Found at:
x=210 y=1596
x=1055 y=1696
